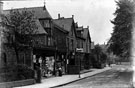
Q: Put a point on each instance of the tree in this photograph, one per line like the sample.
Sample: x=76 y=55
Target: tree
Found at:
x=99 y=57
x=98 y=52
x=120 y=41
x=18 y=27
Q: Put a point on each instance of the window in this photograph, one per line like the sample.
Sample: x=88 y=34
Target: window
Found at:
x=46 y=23
x=82 y=33
x=72 y=44
x=49 y=41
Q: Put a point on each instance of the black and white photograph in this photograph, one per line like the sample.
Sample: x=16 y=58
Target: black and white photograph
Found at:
x=67 y=43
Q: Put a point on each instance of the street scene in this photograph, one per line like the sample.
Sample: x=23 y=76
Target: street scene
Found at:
x=117 y=77
x=67 y=44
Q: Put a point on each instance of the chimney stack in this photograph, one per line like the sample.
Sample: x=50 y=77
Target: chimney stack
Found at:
x=58 y=16
x=73 y=16
x=88 y=27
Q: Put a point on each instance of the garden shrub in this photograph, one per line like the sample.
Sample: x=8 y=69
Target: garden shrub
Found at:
x=15 y=73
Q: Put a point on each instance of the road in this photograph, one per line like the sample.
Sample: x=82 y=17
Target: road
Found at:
x=118 y=77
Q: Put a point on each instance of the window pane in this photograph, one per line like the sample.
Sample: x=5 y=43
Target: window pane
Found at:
x=49 y=41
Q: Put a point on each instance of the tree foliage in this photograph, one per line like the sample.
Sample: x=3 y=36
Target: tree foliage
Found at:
x=120 y=41
x=100 y=54
x=19 y=25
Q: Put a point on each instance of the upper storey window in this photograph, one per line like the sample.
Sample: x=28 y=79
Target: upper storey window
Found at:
x=46 y=23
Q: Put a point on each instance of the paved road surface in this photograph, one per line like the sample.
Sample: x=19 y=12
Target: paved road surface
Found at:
x=118 y=77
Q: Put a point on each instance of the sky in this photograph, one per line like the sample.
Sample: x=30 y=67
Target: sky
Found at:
x=93 y=13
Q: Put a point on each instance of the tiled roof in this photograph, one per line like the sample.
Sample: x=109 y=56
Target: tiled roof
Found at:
x=40 y=29
x=59 y=28
x=39 y=12
x=65 y=23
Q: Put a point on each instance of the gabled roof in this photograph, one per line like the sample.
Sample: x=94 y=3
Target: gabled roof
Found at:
x=85 y=32
x=59 y=28
x=65 y=23
x=39 y=12
x=40 y=29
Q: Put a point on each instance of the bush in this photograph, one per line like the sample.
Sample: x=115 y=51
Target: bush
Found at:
x=24 y=72
x=16 y=72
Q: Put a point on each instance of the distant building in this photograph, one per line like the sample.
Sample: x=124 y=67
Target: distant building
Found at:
x=87 y=43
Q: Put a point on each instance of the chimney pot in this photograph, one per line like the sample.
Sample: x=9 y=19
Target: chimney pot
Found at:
x=87 y=26
x=73 y=16
x=58 y=16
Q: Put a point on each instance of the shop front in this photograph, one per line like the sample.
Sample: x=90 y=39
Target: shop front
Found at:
x=46 y=64
x=45 y=60
x=51 y=63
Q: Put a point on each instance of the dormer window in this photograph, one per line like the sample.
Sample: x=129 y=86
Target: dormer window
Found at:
x=46 y=23
x=81 y=32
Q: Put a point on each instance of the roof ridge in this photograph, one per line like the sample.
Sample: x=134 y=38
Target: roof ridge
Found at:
x=23 y=8
x=62 y=18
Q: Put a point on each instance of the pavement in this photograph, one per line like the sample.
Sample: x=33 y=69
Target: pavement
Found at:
x=65 y=79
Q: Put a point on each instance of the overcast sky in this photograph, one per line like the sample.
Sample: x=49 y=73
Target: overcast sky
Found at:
x=93 y=13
